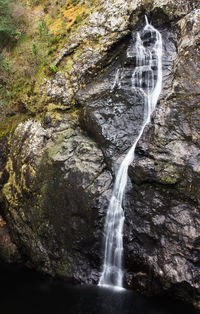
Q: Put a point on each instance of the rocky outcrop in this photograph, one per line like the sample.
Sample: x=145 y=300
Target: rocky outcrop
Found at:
x=61 y=165
x=55 y=191
x=8 y=250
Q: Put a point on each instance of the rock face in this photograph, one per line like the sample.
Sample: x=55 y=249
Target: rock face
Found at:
x=60 y=170
x=8 y=250
x=55 y=190
x=164 y=199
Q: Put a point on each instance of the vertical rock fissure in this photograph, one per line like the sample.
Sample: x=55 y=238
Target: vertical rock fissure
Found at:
x=147 y=82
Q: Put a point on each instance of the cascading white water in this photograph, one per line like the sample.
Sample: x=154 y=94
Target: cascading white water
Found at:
x=147 y=81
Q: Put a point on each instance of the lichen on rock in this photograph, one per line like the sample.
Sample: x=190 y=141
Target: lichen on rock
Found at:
x=57 y=179
x=57 y=168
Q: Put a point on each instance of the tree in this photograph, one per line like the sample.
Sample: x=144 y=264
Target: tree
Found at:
x=8 y=32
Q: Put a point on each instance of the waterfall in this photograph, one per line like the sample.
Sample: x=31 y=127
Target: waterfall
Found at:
x=147 y=81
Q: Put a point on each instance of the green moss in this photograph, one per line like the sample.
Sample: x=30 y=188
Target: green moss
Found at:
x=78 y=53
x=158 y=167
x=56 y=149
x=163 y=142
x=5 y=191
x=78 y=18
x=73 y=2
x=68 y=64
x=63 y=268
x=169 y=179
x=53 y=68
x=9 y=124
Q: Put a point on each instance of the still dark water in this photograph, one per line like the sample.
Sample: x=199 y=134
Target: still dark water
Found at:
x=24 y=291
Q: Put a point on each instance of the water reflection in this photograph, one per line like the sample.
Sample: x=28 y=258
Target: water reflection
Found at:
x=27 y=292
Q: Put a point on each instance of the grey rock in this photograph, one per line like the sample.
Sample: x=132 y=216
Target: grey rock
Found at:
x=58 y=181
x=162 y=227
x=60 y=171
x=66 y=51
x=59 y=90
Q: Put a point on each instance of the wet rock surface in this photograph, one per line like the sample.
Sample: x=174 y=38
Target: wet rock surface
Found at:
x=60 y=169
x=162 y=229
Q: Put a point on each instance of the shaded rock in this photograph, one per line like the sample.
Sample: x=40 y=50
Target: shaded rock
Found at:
x=112 y=111
x=8 y=250
x=162 y=209
x=58 y=183
x=4 y=150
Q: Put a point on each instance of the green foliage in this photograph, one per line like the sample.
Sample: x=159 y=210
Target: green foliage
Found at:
x=55 y=40
x=73 y=2
x=4 y=90
x=42 y=45
x=10 y=123
x=34 y=49
x=8 y=32
x=5 y=64
x=78 y=18
x=4 y=100
x=44 y=32
x=53 y=68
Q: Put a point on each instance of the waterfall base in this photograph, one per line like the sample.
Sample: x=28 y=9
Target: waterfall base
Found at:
x=115 y=288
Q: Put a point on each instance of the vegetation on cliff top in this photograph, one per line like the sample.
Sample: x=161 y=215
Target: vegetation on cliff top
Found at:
x=32 y=33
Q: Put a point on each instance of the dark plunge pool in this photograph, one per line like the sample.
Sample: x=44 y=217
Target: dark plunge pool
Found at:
x=24 y=291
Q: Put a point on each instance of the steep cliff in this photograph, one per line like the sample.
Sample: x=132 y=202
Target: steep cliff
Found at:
x=60 y=163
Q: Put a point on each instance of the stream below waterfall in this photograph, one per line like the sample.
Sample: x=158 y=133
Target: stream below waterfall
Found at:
x=24 y=291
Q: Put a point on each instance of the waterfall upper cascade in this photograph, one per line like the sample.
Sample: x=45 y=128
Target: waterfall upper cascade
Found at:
x=147 y=81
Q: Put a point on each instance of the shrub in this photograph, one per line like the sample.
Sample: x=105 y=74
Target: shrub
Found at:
x=5 y=64
x=78 y=18
x=53 y=68
x=34 y=49
x=43 y=31
x=8 y=30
